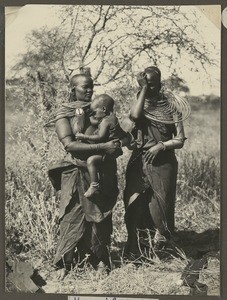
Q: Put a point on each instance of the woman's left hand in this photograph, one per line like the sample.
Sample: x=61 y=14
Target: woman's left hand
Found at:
x=150 y=154
x=111 y=147
x=80 y=136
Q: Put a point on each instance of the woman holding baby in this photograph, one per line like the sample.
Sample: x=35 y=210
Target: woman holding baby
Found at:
x=85 y=224
x=149 y=196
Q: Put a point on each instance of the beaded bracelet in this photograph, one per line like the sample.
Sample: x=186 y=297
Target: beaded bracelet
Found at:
x=164 y=146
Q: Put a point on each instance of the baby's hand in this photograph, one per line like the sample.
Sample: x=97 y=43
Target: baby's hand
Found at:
x=118 y=143
x=80 y=136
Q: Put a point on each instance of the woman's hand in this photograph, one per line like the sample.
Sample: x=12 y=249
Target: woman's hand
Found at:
x=111 y=147
x=142 y=79
x=80 y=136
x=150 y=154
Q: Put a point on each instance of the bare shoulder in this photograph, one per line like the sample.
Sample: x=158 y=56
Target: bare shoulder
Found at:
x=63 y=128
x=110 y=120
x=113 y=119
x=62 y=123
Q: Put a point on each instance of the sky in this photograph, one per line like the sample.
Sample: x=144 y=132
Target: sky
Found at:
x=21 y=21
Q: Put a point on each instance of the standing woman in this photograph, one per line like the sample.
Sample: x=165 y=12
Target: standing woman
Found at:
x=85 y=226
x=151 y=173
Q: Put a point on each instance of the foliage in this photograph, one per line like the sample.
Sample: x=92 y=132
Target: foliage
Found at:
x=175 y=83
x=32 y=210
x=30 y=199
x=119 y=42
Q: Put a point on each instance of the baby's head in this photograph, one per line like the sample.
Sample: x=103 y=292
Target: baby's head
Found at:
x=102 y=106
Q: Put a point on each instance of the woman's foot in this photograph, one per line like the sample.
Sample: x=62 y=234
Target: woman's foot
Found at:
x=61 y=274
x=103 y=269
x=93 y=190
x=159 y=241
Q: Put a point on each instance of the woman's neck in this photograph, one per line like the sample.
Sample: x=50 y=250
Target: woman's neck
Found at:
x=152 y=93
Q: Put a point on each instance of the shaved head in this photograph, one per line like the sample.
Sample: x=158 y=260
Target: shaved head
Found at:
x=81 y=87
x=80 y=78
x=103 y=100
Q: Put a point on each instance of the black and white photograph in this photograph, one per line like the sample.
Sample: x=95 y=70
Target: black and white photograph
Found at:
x=128 y=208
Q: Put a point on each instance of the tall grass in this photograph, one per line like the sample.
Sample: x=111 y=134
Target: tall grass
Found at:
x=31 y=209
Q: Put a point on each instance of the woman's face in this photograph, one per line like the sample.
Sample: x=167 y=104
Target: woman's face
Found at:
x=153 y=81
x=84 y=89
x=154 y=84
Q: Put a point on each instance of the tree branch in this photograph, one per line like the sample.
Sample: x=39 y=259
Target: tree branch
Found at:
x=96 y=31
x=64 y=48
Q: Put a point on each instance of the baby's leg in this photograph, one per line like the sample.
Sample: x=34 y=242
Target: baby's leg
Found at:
x=93 y=165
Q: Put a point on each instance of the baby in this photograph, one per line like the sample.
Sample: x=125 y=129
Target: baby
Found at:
x=108 y=128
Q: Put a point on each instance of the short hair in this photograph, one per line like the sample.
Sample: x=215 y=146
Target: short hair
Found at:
x=153 y=70
x=74 y=79
x=157 y=75
x=104 y=100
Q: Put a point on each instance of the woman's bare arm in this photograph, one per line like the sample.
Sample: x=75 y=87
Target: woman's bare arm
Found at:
x=175 y=143
x=178 y=140
x=136 y=110
x=101 y=136
x=65 y=135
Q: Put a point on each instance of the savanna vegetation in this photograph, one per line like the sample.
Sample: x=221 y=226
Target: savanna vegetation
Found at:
x=31 y=208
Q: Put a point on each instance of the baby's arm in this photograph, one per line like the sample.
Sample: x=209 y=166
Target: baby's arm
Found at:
x=101 y=136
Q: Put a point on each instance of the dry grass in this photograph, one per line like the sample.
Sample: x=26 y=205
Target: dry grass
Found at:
x=31 y=212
